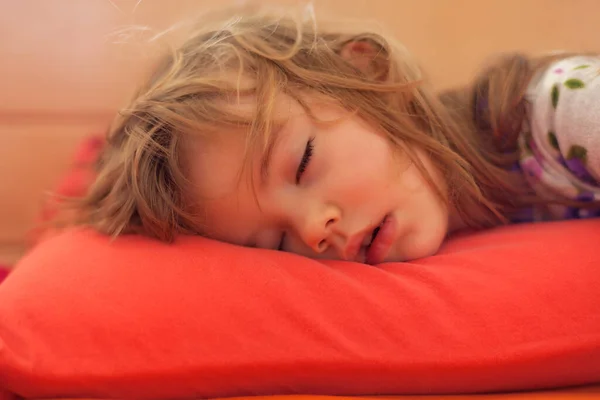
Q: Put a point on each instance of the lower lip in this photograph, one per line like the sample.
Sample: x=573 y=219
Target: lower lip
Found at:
x=380 y=247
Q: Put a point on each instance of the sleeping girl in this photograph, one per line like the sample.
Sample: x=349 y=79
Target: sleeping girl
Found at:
x=276 y=132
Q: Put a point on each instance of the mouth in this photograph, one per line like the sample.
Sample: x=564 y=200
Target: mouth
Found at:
x=381 y=241
x=358 y=249
x=370 y=238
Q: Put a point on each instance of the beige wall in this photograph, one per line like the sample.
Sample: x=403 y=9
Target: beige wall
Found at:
x=62 y=75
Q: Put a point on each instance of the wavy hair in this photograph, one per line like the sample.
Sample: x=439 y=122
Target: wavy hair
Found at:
x=141 y=184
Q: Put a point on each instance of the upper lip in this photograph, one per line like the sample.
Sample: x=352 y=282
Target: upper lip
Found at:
x=355 y=242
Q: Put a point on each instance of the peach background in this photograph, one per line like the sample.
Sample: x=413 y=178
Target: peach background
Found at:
x=62 y=75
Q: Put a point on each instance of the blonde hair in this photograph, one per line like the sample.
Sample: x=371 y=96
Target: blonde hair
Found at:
x=141 y=183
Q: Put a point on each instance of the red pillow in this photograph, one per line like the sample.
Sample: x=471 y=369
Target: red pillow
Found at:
x=4 y=271
x=509 y=309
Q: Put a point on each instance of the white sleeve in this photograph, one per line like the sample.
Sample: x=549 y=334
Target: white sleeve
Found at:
x=565 y=115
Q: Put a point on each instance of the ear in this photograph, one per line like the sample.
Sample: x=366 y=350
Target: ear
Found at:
x=367 y=56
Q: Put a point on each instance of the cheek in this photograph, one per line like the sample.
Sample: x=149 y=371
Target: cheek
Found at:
x=360 y=164
x=412 y=181
x=367 y=173
x=372 y=161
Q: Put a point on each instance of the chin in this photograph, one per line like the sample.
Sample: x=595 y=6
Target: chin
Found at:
x=417 y=245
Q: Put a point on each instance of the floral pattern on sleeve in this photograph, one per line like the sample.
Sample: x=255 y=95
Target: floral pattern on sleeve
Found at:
x=560 y=144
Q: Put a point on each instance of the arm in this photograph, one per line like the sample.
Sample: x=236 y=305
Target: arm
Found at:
x=565 y=117
x=560 y=143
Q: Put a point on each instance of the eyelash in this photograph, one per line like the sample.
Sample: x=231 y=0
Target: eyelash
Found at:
x=306 y=157
x=308 y=152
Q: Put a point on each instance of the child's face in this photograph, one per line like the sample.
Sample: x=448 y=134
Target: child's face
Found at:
x=352 y=181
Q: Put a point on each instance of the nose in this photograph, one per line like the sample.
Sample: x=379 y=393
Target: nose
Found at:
x=317 y=226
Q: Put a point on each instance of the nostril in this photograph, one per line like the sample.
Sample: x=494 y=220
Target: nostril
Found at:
x=329 y=222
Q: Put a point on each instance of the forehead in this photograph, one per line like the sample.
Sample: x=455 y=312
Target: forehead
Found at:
x=222 y=192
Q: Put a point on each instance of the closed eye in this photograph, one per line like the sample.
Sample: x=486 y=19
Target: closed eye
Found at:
x=306 y=157
x=308 y=152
